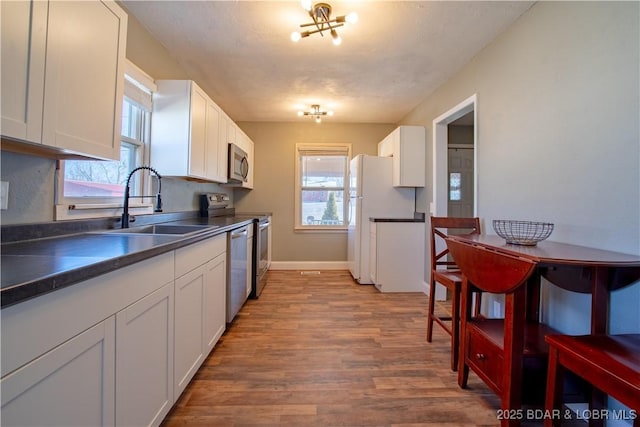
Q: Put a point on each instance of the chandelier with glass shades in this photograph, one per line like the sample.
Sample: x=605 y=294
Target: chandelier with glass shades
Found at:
x=321 y=15
x=316 y=113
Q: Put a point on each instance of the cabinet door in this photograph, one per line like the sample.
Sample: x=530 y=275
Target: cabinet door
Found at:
x=216 y=170
x=84 y=77
x=408 y=161
x=198 y=134
x=23 y=37
x=216 y=298
x=71 y=385
x=223 y=148
x=144 y=360
x=373 y=253
x=189 y=327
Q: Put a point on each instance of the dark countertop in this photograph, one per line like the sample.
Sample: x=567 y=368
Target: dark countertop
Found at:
x=417 y=217
x=396 y=219
x=37 y=266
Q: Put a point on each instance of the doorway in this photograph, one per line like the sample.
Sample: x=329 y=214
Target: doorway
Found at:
x=467 y=164
x=455 y=168
x=460 y=159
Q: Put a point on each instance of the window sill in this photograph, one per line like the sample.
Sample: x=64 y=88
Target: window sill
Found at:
x=319 y=230
x=96 y=210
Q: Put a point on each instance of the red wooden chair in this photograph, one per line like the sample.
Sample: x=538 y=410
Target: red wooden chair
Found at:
x=445 y=272
x=611 y=363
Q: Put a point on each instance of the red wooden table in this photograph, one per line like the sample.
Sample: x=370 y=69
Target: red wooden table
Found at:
x=497 y=349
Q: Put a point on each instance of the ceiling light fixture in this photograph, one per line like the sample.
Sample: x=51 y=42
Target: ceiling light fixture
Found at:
x=315 y=112
x=321 y=15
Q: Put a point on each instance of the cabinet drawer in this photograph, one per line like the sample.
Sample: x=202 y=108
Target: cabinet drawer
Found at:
x=195 y=255
x=485 y=358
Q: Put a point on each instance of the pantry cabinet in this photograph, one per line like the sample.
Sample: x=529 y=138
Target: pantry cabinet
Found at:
x=406 y=145
x=185 y=135
x=63 y=75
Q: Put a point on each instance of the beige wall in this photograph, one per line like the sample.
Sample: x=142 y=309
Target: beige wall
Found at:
x=274 y=181
x=558 y=107
x=148 y=54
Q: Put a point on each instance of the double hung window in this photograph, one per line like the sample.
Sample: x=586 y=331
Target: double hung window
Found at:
x=322 y=186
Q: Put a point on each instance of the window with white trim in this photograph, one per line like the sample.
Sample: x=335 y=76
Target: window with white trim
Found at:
x=94 y=188
x=322 y=177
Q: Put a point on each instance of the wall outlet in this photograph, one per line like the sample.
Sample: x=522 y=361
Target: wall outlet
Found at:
x=4 y=195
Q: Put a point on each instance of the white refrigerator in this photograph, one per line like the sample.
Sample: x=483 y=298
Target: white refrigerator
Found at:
x=371 y=194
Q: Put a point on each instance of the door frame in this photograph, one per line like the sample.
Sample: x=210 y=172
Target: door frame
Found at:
x=438 y=206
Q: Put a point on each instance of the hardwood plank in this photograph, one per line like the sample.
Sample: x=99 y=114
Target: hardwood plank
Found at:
x=322 y=350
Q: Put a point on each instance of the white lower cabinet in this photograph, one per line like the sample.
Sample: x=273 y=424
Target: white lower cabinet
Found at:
x=144 y=360
x=397 y=256
x=189 y=327
x=200 y=292
x=215 y=300
x=117 y=349
x=71 y=385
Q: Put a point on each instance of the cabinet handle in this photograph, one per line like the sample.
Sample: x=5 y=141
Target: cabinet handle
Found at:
x=238 y=234
x=481 y=356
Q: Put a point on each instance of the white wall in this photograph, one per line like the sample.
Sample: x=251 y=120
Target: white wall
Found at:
x=558 y=103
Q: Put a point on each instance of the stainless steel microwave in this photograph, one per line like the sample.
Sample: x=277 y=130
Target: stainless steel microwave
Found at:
x=238 y=164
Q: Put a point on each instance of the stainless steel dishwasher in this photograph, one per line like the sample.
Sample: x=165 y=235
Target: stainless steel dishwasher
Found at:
x=237 y=271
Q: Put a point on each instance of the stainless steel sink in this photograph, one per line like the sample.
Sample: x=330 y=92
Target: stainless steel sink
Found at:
x=181 y=229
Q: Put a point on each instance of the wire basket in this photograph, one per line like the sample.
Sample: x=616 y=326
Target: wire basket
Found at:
x=526 y=233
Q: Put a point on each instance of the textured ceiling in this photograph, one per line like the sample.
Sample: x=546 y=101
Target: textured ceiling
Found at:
x=398 y=52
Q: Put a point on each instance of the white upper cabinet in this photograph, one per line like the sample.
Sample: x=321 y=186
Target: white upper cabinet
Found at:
x=216 y=150
x=23 y=37
x=185 y=132
x=63 y=74
x=406 y=144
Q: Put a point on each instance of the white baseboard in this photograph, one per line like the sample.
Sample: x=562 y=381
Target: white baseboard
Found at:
x=309 y=265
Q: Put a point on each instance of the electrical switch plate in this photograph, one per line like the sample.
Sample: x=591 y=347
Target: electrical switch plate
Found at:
x=4 y=195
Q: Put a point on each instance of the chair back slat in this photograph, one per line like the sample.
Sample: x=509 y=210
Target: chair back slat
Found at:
x=440 y=228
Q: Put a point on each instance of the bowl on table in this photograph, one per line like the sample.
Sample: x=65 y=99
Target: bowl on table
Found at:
x=527 y=233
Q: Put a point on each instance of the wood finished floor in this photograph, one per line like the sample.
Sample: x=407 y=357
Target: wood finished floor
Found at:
x=322 y=350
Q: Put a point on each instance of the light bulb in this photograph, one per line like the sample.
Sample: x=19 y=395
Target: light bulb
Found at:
x=306 y=4
x=352 y=18
x=329 y=113
x=318 y=119
x=336 y=38
x=295 y=36
x=300 y=113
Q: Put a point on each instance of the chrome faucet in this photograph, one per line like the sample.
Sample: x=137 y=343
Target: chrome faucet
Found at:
x=125 y=209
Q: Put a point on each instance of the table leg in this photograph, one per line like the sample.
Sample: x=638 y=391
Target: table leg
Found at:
x=553 y=395
x=514 y=326
x=465 y=314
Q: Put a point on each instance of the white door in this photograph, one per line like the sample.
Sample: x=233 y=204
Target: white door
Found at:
x=460 y=182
